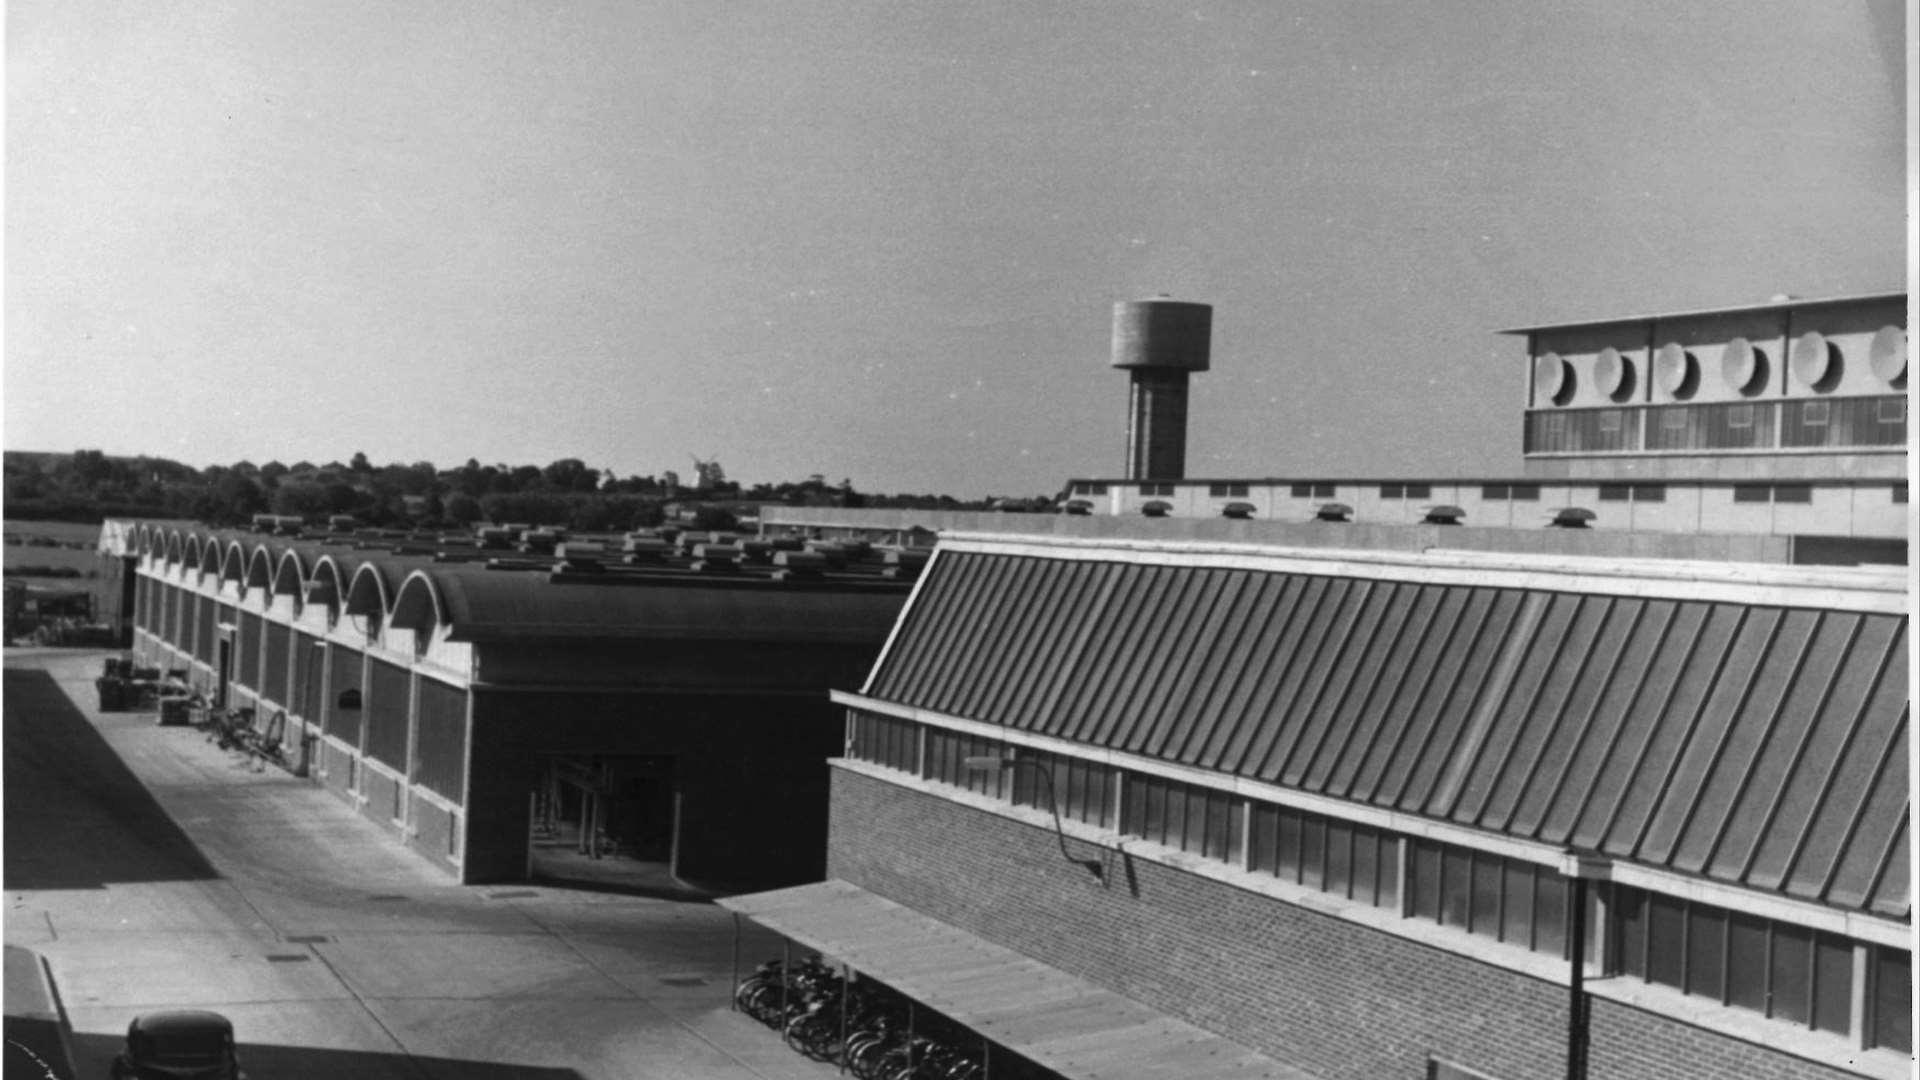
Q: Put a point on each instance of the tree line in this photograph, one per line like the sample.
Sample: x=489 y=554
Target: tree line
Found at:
x=89 y=486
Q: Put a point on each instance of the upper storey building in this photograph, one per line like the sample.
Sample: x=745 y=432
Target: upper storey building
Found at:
x=1806 y=391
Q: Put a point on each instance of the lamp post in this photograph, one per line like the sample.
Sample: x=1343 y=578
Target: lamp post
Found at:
x=995 y=763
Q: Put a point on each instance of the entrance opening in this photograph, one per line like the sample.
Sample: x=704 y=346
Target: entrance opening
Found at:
x=605 y=820
x=225 y=668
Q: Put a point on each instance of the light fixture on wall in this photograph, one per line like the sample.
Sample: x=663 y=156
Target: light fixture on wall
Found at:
x=987 y=763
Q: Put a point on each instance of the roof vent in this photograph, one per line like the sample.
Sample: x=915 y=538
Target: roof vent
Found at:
x=716 y=558
x=647 y=551
x=1443 y=515
x=1333 y=511
x=834 y=554
x=798 y=564
x=1156 y=508
x=1572 y=517
x=1239 y=511
x=905 y=562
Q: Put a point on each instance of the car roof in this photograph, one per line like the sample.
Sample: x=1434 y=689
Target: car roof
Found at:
x=176 y=1020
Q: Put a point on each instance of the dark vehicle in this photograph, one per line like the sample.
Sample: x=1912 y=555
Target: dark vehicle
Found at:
x=184 y=1044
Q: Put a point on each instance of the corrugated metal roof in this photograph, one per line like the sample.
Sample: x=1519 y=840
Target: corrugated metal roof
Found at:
x=1763 y=745
x=1057 y=1020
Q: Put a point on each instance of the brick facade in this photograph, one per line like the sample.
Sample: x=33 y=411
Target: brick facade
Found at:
x=1333 y=997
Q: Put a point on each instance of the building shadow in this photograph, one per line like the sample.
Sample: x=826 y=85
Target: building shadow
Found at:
x=75 y=816
x=93 y=1056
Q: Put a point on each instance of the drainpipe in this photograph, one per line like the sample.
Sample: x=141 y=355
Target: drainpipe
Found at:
x=1577 y=984
x=1580 y=868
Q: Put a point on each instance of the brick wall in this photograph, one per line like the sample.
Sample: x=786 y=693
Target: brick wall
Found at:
x=1629 y=1042
x=1335 y=998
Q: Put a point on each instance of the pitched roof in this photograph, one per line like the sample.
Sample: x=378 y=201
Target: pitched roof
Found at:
x=1744 y=724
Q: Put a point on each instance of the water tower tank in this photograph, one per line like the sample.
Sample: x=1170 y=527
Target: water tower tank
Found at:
x=1159 y=342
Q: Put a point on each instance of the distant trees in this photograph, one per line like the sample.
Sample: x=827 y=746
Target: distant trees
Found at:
x=88 y=485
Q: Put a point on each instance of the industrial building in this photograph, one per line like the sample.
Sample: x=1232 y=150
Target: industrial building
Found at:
x=1352 y=813
x=1784 y=419
x=1580 y=776
x=660 y=702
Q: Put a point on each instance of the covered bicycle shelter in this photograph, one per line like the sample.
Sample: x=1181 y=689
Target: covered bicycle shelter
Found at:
x=1056 y=1020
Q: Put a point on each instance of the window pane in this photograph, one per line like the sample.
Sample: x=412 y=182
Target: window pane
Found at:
x=1706 y=951
x=1266 y=833
x=1289 y=845
x=1426 y=880
x=1650 y=493
x=1752 y=493
x=1791 y=974
x=1746 y=961
x=1892 y=1005
x=1389 y=876
x=1793 y=493
x=1419 y=491
x=1493 y=491
x=1366 y=864
x=1313 y=851
x=1454 y=884
x=1173 y=832
x=1486 y=894
x=1154 y=827
x=1614 y=492
x=1220 y=817
x=1525 y=492
x=1630 y=930
x=1194 y=836
x=1517 y=901
x=1549 y=913
x=1339 y=858
x=1833 y=983
x=1666 y=927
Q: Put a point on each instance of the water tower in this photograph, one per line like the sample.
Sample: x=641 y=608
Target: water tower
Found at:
x=1159 y=342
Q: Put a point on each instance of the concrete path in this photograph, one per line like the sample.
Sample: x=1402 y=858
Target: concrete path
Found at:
x=154 y=870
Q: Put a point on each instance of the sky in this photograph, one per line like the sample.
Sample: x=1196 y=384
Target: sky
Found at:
x=882 y=241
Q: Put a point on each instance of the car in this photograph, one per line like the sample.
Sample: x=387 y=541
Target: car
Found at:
x=179 y=1044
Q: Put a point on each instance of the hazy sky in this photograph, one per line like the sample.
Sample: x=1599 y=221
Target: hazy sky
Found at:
x=882 y=240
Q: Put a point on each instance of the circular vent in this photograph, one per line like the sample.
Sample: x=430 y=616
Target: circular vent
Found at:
x=1675 y=370
x=1743 y=366
x=1552 y=379
x=1613 y=374
x=1888 y=355
x=1812 y=361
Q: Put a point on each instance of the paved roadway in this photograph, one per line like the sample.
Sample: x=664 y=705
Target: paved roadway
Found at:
x=154 y=870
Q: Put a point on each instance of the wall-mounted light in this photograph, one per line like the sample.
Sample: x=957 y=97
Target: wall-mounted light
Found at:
x=987 y=763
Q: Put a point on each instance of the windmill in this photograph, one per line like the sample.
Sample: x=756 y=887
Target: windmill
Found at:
x=707 y=474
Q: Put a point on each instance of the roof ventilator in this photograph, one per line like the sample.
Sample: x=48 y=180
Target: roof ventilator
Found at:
x=1572 y=517
x=716 y=558
x=793 y=565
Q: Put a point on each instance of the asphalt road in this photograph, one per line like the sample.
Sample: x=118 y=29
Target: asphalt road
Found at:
x=154 y=870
